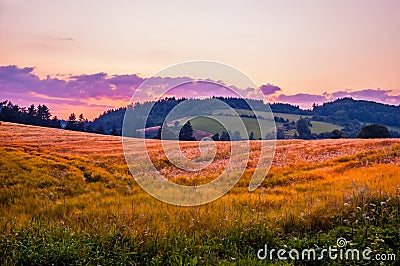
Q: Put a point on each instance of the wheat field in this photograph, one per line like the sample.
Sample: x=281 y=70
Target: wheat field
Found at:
x=68 y=198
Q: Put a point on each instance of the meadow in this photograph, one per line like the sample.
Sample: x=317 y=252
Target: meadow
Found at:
x=317 y=126
x=68 y=198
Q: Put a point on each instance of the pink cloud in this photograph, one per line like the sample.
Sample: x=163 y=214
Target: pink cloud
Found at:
x=305 y=100
x=269 y=89
x=23 y=86
x=15 y=79
x=100 y=91
x=369 y=94
x=200 y=89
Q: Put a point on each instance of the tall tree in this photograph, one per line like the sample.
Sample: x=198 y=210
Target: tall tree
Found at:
x=303 y=128
x=71 y=123
x=80 y=124
x=43 y=115
x=31 y=115
x=186 y=132
x=251 y=137
x=280 y=133
x=215 y=136
x=225 y=136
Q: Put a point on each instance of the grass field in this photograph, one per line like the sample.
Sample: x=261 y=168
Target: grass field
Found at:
x=251 y=125
x=68 y=198
x=320 y=127
x=317 y=126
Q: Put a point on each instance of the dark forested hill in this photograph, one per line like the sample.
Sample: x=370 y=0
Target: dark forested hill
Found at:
x=347 y=109
x=289 y=109
x=113 y=118
x=346 y=112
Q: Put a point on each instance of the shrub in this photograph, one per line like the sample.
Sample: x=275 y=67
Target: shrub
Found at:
x=373 y=131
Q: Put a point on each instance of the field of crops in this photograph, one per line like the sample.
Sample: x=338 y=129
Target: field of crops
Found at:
x=68 y=198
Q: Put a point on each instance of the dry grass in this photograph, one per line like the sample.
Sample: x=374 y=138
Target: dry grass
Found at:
x=81 y=181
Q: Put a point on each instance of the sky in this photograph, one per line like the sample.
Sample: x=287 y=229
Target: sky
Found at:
x=89 y=56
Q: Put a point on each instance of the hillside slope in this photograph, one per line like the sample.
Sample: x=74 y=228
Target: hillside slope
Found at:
x=68 y=198
x=347 y=114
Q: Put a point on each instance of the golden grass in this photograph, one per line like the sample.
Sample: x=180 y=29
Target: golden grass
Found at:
x=81 y=180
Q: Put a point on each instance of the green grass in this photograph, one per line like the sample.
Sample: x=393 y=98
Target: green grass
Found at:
x=251 y=125
x=317 y=126
x=67 y=198
x=42 y=243
x=320 y=127
x=291 y=117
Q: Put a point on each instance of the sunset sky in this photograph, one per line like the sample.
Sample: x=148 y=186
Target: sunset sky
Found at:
x=89 y=56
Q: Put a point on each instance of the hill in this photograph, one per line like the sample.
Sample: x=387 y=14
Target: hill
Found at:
x=347 y=109
x=344 y=114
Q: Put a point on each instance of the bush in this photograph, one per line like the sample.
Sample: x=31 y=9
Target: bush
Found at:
x=373 y=131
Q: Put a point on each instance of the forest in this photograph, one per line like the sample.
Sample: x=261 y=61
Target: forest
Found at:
x=351 y=115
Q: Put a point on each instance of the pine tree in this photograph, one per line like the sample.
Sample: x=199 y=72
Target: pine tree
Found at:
x=186 y=132
x=225 y=136
x=251 y=137
x=215 y=137
x=80 y=125
x=31 y=119
x=71 y=123
x=43 y=115
x=303 y=128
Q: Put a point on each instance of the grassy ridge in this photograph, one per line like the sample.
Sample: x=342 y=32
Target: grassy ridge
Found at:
x=250 y=124
x=68 y=197
x=317 y=126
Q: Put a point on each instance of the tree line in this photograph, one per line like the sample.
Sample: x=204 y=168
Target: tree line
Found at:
x=366 y=132
x=110 y=122
x=40 y=115
x=37 y=116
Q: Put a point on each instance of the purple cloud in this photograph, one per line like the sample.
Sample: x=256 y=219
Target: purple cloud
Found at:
x=269 y=89
x=21 y=85
x=99 y=90
x=21 y=80
x=201 y=89
x=17 y=79
x=368 y=94
x=301 y=98
x=305 y=100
